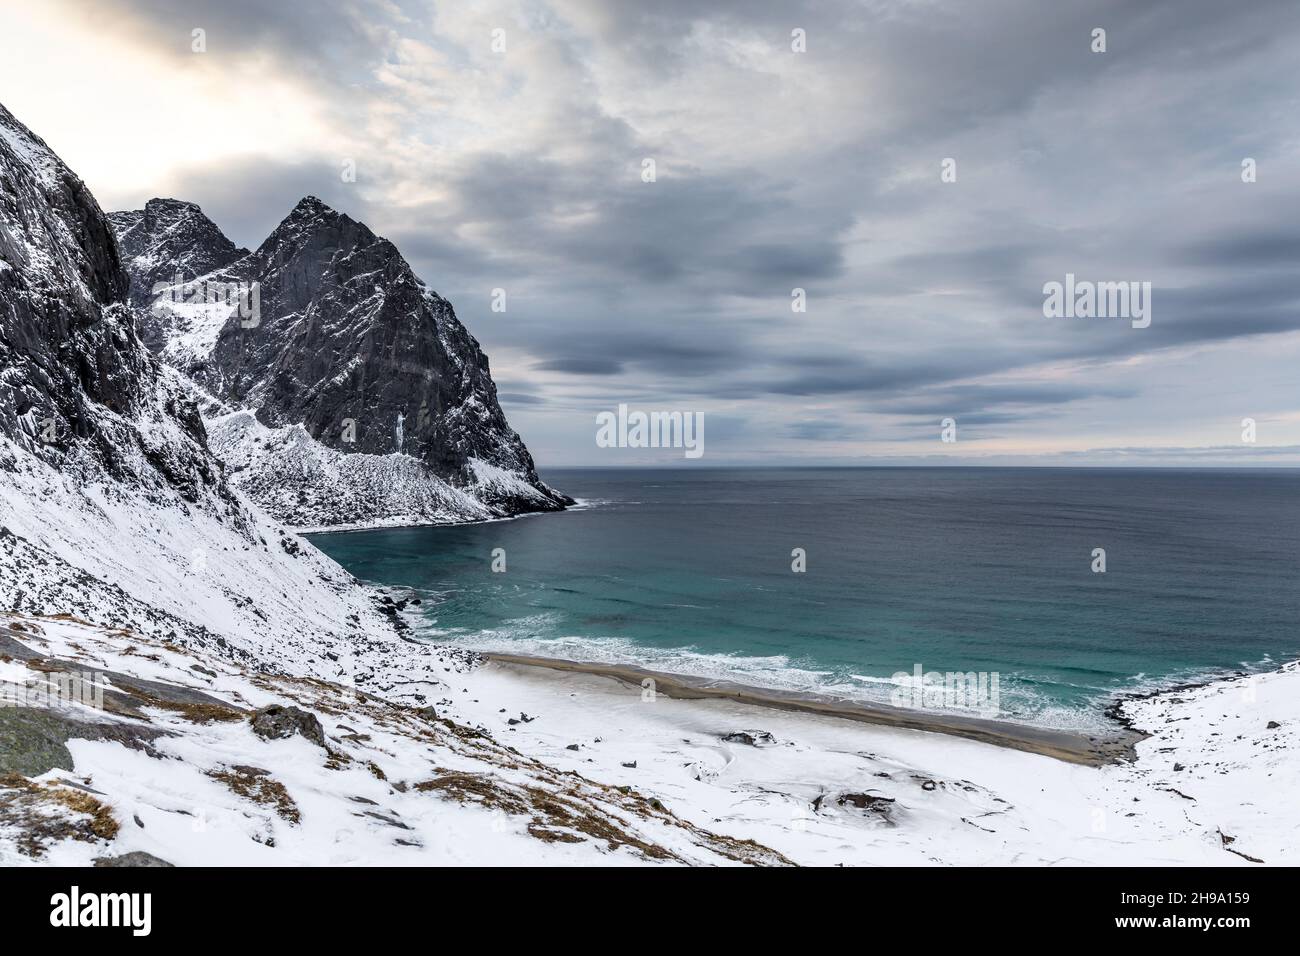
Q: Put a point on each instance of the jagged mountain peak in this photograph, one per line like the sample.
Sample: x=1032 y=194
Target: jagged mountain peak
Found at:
x=167 y=213
x=313 y=206
x=166 y=239
x=160 y=204
x=311 y=213
x=319 y=229
x=350 y=349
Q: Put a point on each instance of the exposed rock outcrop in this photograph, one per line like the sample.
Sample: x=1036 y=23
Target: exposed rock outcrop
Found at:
x=112 y=504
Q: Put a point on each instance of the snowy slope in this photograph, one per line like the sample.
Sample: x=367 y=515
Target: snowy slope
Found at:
x=311 y=487
x=1213 y=785
x=167 y=761
x=525 y=765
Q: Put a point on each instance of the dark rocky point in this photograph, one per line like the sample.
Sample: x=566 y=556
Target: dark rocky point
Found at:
x=278 y=723
x=136 y=858
x=751 y=738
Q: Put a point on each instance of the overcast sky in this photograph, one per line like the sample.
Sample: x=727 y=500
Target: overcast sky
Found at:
x=522 y=169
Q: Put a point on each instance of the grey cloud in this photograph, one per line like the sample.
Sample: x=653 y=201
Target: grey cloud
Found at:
x=333 y=40
x=1113 y=166
x=581 y=366
x=823 y=430
x=1262 y=250
x=961 y=398
x=248 y=199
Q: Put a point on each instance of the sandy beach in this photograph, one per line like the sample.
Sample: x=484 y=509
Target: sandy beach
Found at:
x=1071 y=747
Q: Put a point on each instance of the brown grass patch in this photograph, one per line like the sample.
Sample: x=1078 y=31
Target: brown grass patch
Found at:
x=256 y=784
x=25 y=805
x=336 y=759
x=553 y=818
x=204 y=713
x=197 y=713
x=102 y=823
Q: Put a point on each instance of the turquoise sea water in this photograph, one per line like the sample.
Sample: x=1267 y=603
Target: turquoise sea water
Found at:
x=955 y=569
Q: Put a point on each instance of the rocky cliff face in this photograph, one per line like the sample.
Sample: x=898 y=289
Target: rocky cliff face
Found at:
x=112 y=505
x=324 y=332
x=78 y=391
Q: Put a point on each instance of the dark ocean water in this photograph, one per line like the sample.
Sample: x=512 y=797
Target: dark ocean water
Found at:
x=955 y=569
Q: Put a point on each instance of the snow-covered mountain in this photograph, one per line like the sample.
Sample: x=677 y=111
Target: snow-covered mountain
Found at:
x=346 y=392
x=112 y=505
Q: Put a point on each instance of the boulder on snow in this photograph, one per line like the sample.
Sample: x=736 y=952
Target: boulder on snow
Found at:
x=134 y=858
x=276 y=723
x=752 y=738
x=865 y=801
